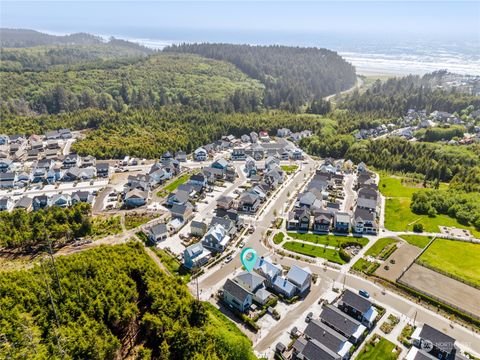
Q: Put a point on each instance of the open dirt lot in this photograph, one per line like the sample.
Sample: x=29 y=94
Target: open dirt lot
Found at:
x=403 y=256
x=442 y=287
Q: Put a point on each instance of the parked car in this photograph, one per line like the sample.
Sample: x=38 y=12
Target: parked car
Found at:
x=242 y=244
x=228 y=259
x=364 y=293
x=309 y=317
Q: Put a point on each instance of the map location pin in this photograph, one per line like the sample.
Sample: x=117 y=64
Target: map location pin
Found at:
x=248 y=258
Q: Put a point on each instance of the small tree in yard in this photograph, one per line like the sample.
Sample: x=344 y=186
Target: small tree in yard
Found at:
x=418 y=228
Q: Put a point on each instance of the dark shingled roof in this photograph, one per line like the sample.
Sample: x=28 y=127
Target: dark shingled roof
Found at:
x=313 y=350
x=325 y=335
x=439 y=339
x=338 y=319
x=236 y=290
x=356 y=301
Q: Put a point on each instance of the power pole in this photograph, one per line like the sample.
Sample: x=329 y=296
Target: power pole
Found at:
x=198 y=296
x=415 y=318
x=57 y=279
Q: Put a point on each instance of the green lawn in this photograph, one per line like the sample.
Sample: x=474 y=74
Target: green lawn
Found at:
x=315 y=251
x=331 y=240
x=365 y=266
x=377 y=248
x=289 y=168
x=381 y=350
x=177 y=182
x=105 y=225
x=399 y=217
x=417 y=240
x=397 y=186
x=458 y=258
x=278 y=237
x=135 y=220
x=172 y=264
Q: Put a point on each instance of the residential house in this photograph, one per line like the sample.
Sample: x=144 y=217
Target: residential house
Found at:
x=301 y=278
x=266 y=268
x=71 y=160
x=51 y=135
x=25 y=203
x=362 y=168
x=216 y=239
x=195 y=256
x=263 y=136
x=284 y=287
x=198 y=228
x=224 y=202
x=299 y=219
x=4 y=140
x=8 y=180
x=245 y=138
x=61 y=200
x=6 y=203
x=226 y=223
x=213 y=174
x=232 y=214
x=181 y=156
x=441 y=345
x=239 y=154
x=364 y=222
x=342 y=323
x=297 y=154
x=341 y=222
x=75 y=173
x=158 y=232
x=420 y=354
x=40 y=202
x=82 y=196
x=249 y=202
x=306 y=199
x=250 y=166
x=312 y=350
x=253 y=137
x=358 y=307
x=322 y=221
x=255 y=284
x=135 y=198
x=220 y=164
x=199 y=179
x=283 y=132
x=166 y=156
x=88 y=161
x=182 y=212
x=367 y=204
x=65 y=134
x=339 y=344
x=236 y=296
x=200 y=154
x=180 y=197
x=103 y=170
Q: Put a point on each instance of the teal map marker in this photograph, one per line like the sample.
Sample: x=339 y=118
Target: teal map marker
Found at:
x=248 y=258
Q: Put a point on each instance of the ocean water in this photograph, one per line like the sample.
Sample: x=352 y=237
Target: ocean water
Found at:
x=369 y=54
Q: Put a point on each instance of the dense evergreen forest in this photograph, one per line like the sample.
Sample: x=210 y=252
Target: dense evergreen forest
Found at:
x=149 y=133
x=29 y=38
x=393 y=97
x=292 y=76
x=107 y=303
x=30 y=231
x=152 y=82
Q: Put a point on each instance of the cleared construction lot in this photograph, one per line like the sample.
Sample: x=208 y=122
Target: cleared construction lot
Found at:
x=403 y=257
x=442 y=287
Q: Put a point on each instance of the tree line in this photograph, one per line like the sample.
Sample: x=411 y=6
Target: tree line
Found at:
x=109 y=303
x=293 y=76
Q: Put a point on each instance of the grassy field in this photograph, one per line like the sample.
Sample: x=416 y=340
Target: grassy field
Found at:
x=315 y=251
x=399 y=217
x=172 y=264
x=278 y=237
x=377 y=248
x=172 y=186
x=331 y=240
x=289 y=168
x=365 y=266
x=397 y=186
x=383 y=349
x=417 y=240
x=458 y=258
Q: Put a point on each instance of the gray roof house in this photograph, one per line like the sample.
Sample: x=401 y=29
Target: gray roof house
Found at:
x=25 y=203
x=300 y=277
x=195 y=256
x=358 y=307
x=267 y=269
x=236 y=296
x=198 y=228
x=342 y=323
x=182 y=212
x=442 y=345
x=136 y=197
x=158 y=232
x=339 y=344
x=313 y=350
x=6 y=203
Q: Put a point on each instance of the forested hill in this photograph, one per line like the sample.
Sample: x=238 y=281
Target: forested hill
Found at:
x=29 y=50
x=395 y=96
x=110 y=303
x=292 y=76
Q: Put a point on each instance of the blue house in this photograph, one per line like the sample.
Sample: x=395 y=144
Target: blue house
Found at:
x=195 y=256
x=220 y=164
x=284 y=287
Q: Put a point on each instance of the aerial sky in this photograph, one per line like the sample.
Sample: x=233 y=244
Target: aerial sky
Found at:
x=386 y=18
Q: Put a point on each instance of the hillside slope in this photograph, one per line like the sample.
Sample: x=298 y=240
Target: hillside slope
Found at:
x=110 y=302
x=292 y=75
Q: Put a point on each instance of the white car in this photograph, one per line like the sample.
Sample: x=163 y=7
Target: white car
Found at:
x=228 y=259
